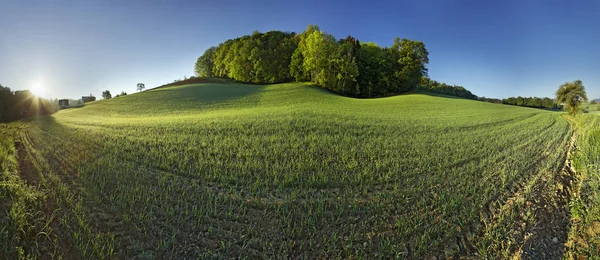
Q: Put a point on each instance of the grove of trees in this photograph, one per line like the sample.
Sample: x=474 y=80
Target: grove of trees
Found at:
x=19 y=104
x=534 y=102
x=344 y=66
x=442 y=88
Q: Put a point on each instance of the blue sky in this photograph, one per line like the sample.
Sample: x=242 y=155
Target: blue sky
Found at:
x=494 y=49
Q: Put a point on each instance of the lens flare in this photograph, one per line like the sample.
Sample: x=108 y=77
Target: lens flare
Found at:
x=38 y=90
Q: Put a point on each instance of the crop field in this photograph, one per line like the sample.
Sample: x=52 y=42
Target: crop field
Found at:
x=592 y=108
x=290 y=170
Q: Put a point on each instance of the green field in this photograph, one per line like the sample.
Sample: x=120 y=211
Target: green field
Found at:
x=290 y=170
x=592 y=108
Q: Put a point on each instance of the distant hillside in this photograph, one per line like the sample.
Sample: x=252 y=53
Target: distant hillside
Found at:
x=194 y=80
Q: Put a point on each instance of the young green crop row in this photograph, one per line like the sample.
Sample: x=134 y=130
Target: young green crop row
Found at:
x=584 y=236
x=290 y=171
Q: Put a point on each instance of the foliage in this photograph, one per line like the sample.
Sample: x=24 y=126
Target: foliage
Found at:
x=205 y=63
x=413 y=57
x=256 y=58
x=534 y=102
x=429 y=85
x=291 y=171
x=572 y=94
x=339 y=66
x=123 y=93
x=19 y=104
x=490 y=100
x=140 y=86
x=106 y=94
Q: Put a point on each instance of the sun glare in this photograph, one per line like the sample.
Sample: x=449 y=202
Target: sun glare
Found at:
x=38 y=90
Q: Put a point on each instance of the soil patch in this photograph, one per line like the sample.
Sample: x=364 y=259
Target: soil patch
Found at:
x=548 y=237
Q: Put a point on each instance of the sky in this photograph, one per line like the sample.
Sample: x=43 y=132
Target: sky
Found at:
x=493 y=48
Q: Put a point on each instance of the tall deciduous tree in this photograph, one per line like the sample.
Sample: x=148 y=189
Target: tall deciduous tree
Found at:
x=316 y=49
x=206 y=63
x=140 y=86
x=572 y=95
x=413 y=58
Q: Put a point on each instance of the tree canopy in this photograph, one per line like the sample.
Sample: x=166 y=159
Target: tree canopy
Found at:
x=535 y=102
x=572 y=95
x=106 y=94
x=344 y=66
x=430 y=85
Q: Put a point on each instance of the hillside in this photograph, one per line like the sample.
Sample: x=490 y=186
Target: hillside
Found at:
x=291 y=170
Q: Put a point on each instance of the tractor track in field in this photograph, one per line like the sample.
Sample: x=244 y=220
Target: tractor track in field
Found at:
x=31 y=176
x=25 y=167
x=547 y=237
x=101 y=218
x=535 y=218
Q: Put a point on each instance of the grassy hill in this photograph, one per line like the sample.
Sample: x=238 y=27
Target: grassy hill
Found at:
x=222 y=170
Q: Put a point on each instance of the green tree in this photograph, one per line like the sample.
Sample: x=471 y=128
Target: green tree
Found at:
x=106 y=94
x=369 y=59
x=205 y=64
x=547 y=103
x=342 y=70
x=296 y=66
x=316 y=50
x=413 y=57
x=572 y=95
x=140 y=86
x=6 y=100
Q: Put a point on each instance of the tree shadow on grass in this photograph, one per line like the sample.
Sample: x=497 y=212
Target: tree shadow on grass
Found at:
x=209 y=93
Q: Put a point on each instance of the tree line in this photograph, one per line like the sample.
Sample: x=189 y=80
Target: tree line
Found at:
x=535 y=102
x=459 y=91
x=345 y=66
x=19 y=104
x=433 y=86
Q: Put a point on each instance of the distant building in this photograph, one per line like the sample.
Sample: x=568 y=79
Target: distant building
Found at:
x=63 y=103
x=89 y=98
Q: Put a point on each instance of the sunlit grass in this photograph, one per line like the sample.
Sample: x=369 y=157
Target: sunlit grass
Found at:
x=292 y=170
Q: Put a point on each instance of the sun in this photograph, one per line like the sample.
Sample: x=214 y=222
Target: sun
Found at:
x=38 y=90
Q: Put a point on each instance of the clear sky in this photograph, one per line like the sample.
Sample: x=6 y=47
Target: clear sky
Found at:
x=493 y=48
